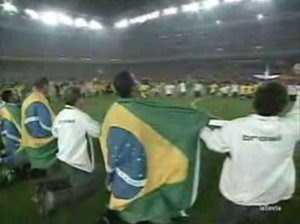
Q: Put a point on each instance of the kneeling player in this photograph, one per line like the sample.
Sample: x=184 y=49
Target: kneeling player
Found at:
x=143 y=187
x=10 y=128
x=73 y=129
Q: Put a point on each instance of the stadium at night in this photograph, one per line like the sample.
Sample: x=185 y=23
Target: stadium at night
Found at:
x=136 y=33
x=149 y=112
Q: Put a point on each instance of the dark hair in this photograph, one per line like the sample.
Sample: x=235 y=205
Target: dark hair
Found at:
x=124 y=84
x=72 y=95
x=270 y=99
x=41 y=82
x=6 y=94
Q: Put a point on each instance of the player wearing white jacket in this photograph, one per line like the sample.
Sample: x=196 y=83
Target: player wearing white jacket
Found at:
x=259 y=169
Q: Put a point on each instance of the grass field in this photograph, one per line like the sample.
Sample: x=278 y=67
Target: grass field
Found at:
x=17 y=208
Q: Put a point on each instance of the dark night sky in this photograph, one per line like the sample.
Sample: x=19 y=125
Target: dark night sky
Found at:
x=101 y=8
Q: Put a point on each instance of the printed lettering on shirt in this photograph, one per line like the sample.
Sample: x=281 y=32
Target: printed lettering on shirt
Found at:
x=262 y=138
x=67 y=121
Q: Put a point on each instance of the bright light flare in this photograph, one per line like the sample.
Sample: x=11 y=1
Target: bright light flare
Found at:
x=260 y=17
x=170 y=11
x=50 y=18
x=9 y=7
x=65 y=19
x=95 y=25
x=80 y=22
x=124 y=23
x=218 y=22
x=145 y=18
x=232 y=1
x=210 y=4
x=32 y=14
x=261 y=0
x=136 y=20
x=152 y=15
x=192 y=7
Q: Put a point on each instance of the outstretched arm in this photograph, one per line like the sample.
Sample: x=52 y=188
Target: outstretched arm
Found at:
x=215 y=140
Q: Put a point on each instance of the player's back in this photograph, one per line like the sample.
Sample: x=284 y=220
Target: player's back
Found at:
x=260 y=167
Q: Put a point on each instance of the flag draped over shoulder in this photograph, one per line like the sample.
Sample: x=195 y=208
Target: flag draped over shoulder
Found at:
x=152 y=157
x=40 y=147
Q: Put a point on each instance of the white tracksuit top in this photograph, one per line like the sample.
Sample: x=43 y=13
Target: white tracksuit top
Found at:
x=260 y=169
x=73 y=129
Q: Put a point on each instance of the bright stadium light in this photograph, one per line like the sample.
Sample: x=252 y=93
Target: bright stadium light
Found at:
x=170 y=11
x=50 y=18
x=260 y=17
x=261 y=0
x=210 y=4
x=139 y=19
x=65 y=19
x=192 y=7
x=153 y=15
x=124 y=23
x=218 y=22
x=95 y=25
x=232 y=1
x=144 y=18
x=9 y=7
x=32 y=14
x=80 y=22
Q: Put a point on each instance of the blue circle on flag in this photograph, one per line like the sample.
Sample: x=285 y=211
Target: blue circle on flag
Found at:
x=127 y=162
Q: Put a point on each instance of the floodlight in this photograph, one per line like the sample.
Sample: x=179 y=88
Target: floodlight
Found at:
x=260 y=16
x=9 y=7
x=144 y=18
x=32 y=14
x=95 y=25
x=153 y=15
x=261 y=0
x=170 y=11
x=192 y=7
x=232 y=1
x=65 y=19
x=80 y=22
x=122 y=24
x=209 y=4
x=50 y=18
x=138 y=19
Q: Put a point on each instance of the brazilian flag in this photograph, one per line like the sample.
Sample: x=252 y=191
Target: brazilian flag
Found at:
x=152 y=157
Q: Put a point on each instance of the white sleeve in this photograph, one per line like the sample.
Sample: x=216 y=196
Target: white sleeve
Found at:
x=294 y=113
x=92 y=127
x=215 y=140
x=293 y=117
x=54 y=129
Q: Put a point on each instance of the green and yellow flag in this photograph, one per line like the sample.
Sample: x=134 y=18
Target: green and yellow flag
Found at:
x=152 y=157
x=40 y=150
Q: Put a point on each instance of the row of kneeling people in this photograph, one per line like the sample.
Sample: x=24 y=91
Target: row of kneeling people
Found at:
x=151 y=153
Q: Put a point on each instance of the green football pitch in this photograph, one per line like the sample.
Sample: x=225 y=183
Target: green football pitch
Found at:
x=16 y=206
